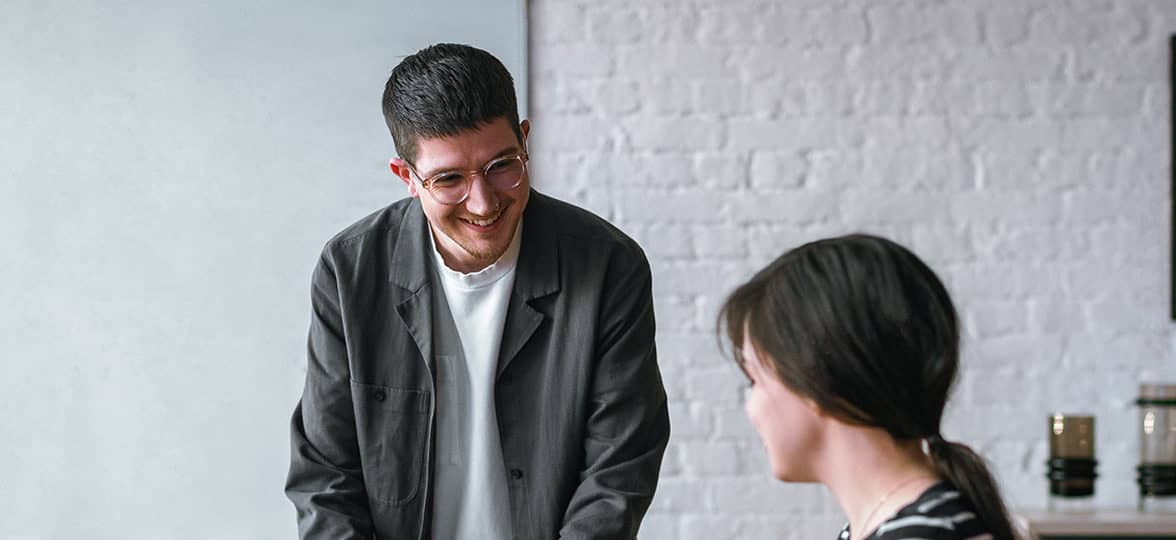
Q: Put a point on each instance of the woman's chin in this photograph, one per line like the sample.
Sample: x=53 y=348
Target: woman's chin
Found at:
x=785 y=474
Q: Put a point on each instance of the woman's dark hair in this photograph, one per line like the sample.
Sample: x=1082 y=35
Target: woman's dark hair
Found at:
x=865 y=329
x=445 y=89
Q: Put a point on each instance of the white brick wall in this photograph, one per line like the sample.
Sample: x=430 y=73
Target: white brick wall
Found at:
x=1020 y=147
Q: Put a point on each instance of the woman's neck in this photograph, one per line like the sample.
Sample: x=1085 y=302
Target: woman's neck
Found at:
x=872 y=476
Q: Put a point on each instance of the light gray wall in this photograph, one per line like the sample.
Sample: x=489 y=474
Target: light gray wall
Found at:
x=168 y=174
x=1021 y=147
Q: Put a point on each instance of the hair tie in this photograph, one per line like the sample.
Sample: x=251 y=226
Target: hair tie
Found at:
x=932 y=442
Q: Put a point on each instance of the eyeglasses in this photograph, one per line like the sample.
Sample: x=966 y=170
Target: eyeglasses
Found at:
x=453 y=187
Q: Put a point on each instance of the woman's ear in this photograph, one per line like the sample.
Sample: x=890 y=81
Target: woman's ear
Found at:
x=816 y=409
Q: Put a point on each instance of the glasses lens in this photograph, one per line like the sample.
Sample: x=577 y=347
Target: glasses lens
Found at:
x=505 y=173
x=448 y=188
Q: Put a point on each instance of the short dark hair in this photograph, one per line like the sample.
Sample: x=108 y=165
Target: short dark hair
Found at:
x=445 y=89
x=863 y=328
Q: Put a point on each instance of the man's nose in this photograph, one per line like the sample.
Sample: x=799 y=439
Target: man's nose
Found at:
x=483 y=199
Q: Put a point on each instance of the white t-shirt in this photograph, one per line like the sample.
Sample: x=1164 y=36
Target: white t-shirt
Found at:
x=470 y=498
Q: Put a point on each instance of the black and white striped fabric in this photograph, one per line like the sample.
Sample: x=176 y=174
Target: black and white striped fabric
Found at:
x=940 y=513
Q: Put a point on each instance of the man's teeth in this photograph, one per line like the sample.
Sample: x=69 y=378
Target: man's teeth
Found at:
x=485 y=222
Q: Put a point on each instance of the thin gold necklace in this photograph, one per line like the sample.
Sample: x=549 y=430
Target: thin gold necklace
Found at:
x=878 y=505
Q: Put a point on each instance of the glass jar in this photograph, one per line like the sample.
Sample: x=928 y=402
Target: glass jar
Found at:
x=1157 y=447
x=1071 y=465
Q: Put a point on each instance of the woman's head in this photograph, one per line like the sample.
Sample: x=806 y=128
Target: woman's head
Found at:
x=857 y=325
x=858 y=330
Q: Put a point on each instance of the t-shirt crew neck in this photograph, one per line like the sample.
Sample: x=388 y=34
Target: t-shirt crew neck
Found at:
x=482 y=278
x=471 y=496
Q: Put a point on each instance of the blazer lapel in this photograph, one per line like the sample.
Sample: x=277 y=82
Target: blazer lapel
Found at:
x=537 y=275
x=410 y=271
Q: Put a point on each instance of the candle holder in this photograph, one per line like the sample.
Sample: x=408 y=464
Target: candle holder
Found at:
x=1072 y=463
x=1157 y=447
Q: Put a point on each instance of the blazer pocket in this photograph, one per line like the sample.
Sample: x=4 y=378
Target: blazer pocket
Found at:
x=391 y=424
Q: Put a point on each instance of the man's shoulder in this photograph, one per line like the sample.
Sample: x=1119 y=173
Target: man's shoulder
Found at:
x=576 y=225
x=382 y=226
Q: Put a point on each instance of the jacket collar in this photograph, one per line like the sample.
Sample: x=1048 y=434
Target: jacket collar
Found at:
x=410 y=257
x=538 y=266
x=537 y=273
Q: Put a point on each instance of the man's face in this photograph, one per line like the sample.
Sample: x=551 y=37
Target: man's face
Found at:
x=473 y=234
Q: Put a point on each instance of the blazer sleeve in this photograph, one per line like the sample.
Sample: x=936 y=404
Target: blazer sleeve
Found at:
x=325 y=481
x=628 y=424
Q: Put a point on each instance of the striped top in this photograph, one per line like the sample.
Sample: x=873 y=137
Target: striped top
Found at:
x=940 y=513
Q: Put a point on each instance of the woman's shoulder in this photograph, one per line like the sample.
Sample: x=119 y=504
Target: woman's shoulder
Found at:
x=940 y=513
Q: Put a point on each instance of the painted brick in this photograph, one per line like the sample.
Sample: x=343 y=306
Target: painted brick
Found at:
x=672 y=134
x=719 y=242
x=1006 y=25
x=576 y=59
x=679 y=495
x=615 y=26
x=777 y=170
x=711 y=458
x=675 y=62
x=691 y=422
x=1020 y=148
x=764 y=495
x=716 y=385
x=925 y=23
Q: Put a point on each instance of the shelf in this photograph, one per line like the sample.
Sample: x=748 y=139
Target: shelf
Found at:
x=1099 y=523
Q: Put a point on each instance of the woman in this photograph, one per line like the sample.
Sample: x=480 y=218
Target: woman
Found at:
x=851 y=345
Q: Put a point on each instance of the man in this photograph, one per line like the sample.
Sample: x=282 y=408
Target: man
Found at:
x=481 y=357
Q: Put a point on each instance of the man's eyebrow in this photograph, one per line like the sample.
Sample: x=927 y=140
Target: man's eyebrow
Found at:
x=512 y=149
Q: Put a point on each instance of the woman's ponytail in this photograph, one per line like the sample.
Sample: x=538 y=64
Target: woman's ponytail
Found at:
x=967 y=471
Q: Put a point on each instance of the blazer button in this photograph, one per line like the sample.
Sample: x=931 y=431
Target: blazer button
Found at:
x=381 y=395
x=517 y=474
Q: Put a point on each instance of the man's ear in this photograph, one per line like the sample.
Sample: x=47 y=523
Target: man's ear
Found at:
x=400 y=169
x=525 y=127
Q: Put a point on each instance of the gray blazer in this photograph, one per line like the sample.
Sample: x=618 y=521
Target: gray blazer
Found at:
x=581 y=407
